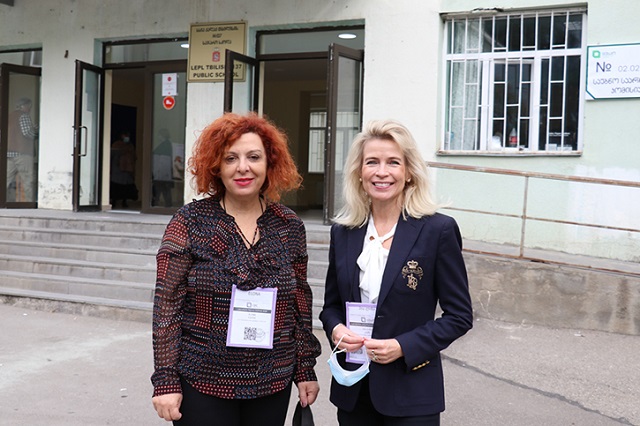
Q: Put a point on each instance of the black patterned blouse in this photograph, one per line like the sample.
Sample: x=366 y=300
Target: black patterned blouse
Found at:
x=201 y=257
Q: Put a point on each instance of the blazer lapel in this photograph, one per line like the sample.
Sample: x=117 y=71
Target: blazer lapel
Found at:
x=355 y=242
x=407 y=232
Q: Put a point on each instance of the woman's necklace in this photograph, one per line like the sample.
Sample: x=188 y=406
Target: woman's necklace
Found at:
x=253 y=240
x=244 y=237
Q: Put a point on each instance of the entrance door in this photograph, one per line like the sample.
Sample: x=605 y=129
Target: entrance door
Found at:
x=344 y=120
x=87 y=144
x=20 y=108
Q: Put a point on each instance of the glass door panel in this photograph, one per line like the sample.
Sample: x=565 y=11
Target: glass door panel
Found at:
x=87 y=137
x=240 y=83
x=168 y=122
x=344 y=120
x=20 y=118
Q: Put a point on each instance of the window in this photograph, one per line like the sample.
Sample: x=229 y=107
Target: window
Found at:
x=317 y=135
x=29 y=58
x=127 y=52
x=347 y=127
x=514 y=82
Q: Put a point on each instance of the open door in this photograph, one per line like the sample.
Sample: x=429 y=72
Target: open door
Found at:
x=20 y=113
x=241 y=83
x=164 y=137
x=344 y=120
x=87 y=141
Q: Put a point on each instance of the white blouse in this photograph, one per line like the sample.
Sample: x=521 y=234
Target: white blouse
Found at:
x=372 y=262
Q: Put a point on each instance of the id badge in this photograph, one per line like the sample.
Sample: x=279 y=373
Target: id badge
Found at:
x=251 y=318
x=360 y=317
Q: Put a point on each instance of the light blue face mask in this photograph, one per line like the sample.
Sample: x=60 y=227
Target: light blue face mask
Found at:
x=342 y=376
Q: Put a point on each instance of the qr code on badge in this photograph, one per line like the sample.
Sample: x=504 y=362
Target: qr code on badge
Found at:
x=250 y=333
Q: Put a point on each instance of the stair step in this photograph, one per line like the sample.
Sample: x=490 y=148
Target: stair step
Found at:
x=101 y=288
x=96 y=238
x=318 y=251
x=317 y=269
x=77 y=268
x=120 y=255
x=131 y=304
x=318 y=233
x=75 y=304
x=93 y=222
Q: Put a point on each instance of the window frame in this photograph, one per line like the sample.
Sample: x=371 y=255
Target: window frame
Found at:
x=485 y=61
x=316 y=144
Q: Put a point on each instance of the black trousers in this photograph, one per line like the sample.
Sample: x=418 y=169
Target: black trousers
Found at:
x=365 y=414
x=199 y=409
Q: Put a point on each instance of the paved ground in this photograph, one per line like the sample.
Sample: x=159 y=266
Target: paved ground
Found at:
x=62 y=369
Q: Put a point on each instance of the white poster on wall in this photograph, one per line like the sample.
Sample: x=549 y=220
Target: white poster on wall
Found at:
x=613 y=71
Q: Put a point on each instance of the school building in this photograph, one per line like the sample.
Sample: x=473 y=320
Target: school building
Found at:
x=528 y=112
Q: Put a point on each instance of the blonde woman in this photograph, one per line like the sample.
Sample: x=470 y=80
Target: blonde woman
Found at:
x=393 y=256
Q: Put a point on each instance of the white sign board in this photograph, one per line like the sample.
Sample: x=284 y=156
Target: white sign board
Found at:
x=613 y=71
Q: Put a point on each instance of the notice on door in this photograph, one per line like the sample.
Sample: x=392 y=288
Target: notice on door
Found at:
x=170 y=84
x=613 y=71
x=207 y=45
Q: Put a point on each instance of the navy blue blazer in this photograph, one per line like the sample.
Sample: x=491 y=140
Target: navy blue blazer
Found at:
x=430 y=252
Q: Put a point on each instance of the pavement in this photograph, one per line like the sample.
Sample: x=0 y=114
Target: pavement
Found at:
x=65 y=369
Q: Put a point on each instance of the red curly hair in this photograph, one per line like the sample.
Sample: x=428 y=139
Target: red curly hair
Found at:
x=216 y=139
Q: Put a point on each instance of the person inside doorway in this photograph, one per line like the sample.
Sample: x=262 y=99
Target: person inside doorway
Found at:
x=21 y=152
x=123 y=168
x=163 y=170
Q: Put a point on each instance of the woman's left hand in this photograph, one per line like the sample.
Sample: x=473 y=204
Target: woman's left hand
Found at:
x=383 y=351
x=308 y=392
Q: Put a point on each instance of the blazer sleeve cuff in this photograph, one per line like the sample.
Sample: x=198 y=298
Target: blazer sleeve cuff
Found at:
x=413 y=363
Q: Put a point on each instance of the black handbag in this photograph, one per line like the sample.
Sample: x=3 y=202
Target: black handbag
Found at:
x=302 y=416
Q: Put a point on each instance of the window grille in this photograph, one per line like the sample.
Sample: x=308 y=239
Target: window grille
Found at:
x=514 y=82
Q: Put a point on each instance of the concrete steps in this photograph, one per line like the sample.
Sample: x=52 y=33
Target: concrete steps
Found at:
x=103 y=261
x=318 y=238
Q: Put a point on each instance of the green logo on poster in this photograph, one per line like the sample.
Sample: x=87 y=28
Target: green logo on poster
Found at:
x=596 y=53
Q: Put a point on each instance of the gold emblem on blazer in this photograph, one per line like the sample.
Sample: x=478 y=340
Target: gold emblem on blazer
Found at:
x=410 y=271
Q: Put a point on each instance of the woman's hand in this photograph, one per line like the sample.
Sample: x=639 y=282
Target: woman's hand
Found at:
x=383 y=351
x=168 y=406
x=308 y=392
x=350 y=340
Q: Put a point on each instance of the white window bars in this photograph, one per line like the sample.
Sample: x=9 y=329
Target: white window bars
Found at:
x=514 y=82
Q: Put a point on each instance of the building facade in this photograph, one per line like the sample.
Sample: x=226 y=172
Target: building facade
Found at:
x=528 y=112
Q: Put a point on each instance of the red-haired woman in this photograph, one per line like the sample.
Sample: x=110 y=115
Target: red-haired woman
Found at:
x=232 y=310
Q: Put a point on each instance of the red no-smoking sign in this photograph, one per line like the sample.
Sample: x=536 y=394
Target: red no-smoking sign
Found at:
x=168 y=102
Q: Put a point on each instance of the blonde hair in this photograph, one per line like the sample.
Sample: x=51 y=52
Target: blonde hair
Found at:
x=417 y=200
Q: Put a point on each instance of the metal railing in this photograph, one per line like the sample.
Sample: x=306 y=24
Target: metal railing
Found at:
x=612 y=265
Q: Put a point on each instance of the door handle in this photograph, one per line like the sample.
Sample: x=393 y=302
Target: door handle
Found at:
x=86 y=131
